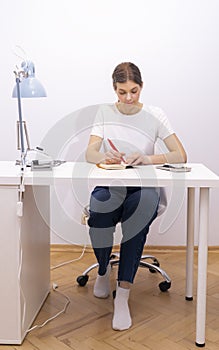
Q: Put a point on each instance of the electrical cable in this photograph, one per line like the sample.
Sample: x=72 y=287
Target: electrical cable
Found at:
x=55 y=289
x=19 y=52
x=70 y=261
x=57 y=314
x=55 y=286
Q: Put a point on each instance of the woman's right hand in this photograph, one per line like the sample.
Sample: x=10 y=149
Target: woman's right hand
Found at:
x=113 y=157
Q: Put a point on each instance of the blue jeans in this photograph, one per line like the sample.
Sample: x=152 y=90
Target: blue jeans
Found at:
x=135 y=208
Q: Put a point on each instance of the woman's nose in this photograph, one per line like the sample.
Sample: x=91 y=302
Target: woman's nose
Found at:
x=128 y=96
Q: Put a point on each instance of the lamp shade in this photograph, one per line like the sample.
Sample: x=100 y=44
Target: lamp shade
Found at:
x=29 y=85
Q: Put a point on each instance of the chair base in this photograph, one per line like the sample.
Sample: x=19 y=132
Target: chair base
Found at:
x=153 y=266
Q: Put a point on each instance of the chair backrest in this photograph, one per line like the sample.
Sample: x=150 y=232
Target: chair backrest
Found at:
x=163 y=201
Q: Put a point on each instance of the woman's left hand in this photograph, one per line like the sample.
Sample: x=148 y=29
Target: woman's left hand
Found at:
x=137 y=158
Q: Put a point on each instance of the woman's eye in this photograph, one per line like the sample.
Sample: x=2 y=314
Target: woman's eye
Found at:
x=131 y=92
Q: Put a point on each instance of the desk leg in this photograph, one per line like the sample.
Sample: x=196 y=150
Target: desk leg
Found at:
x=190 y=243
x=202 y=266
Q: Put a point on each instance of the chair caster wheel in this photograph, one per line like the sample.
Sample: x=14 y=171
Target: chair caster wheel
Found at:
x=164 y=286
x=82 y=280
x=153 y=270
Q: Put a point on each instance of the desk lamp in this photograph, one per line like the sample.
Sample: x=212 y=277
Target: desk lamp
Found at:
x=26 y=86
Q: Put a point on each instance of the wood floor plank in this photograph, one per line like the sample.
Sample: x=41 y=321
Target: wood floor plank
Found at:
x=39 y=343
x=53 y=343
x=160 y=320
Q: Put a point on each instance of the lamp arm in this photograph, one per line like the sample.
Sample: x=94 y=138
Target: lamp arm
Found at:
x=20 y=123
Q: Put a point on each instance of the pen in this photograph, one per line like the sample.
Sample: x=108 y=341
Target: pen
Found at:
x=115 y=149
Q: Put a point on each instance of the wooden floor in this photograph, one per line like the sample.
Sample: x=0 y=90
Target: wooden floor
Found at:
x=160 y=320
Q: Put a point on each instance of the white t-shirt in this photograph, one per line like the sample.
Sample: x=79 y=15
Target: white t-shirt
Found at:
x=131 y=133
x=140 y=132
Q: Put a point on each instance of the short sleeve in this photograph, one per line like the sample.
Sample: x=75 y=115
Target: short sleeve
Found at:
x=98 y=126
x=164 y=127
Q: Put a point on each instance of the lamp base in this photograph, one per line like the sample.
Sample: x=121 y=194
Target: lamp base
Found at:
x=41 y=165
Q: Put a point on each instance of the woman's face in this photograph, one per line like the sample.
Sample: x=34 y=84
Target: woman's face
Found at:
x=128 y=92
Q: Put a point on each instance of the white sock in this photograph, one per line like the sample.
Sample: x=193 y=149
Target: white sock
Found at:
x=121 y=318
x=102 y=284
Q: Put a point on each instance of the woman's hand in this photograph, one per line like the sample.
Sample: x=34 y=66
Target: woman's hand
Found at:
x=175 y=154
x=138 y=158
x=113 y=157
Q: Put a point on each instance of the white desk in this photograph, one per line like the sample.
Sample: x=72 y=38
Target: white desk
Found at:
x=24 y=257
x=200 y=178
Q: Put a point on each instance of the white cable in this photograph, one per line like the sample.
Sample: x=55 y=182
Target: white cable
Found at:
x=56 y=315
x=19 y=273
x=20 y=194
x=55 y=286
x=20 y=214
x=70 y=261
x=22 y=54
x=21 y=188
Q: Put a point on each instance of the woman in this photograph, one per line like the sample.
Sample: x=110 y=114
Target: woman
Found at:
x=134 y=130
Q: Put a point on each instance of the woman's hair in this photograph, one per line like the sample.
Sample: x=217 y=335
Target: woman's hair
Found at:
x=126 y=71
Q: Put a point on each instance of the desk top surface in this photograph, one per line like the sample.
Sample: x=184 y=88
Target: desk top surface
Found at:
x=149 y=175
x=9 y=173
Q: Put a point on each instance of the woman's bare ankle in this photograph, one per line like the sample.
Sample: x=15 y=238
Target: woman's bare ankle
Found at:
x=124 y=284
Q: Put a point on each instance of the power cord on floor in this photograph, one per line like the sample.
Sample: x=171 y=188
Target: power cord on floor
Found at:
x=54 y=287
x=70 y=261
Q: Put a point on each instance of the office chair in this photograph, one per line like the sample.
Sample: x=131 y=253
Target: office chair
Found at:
x=152 y=265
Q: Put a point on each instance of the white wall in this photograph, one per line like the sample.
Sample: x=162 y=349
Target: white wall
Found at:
x=75 y=46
